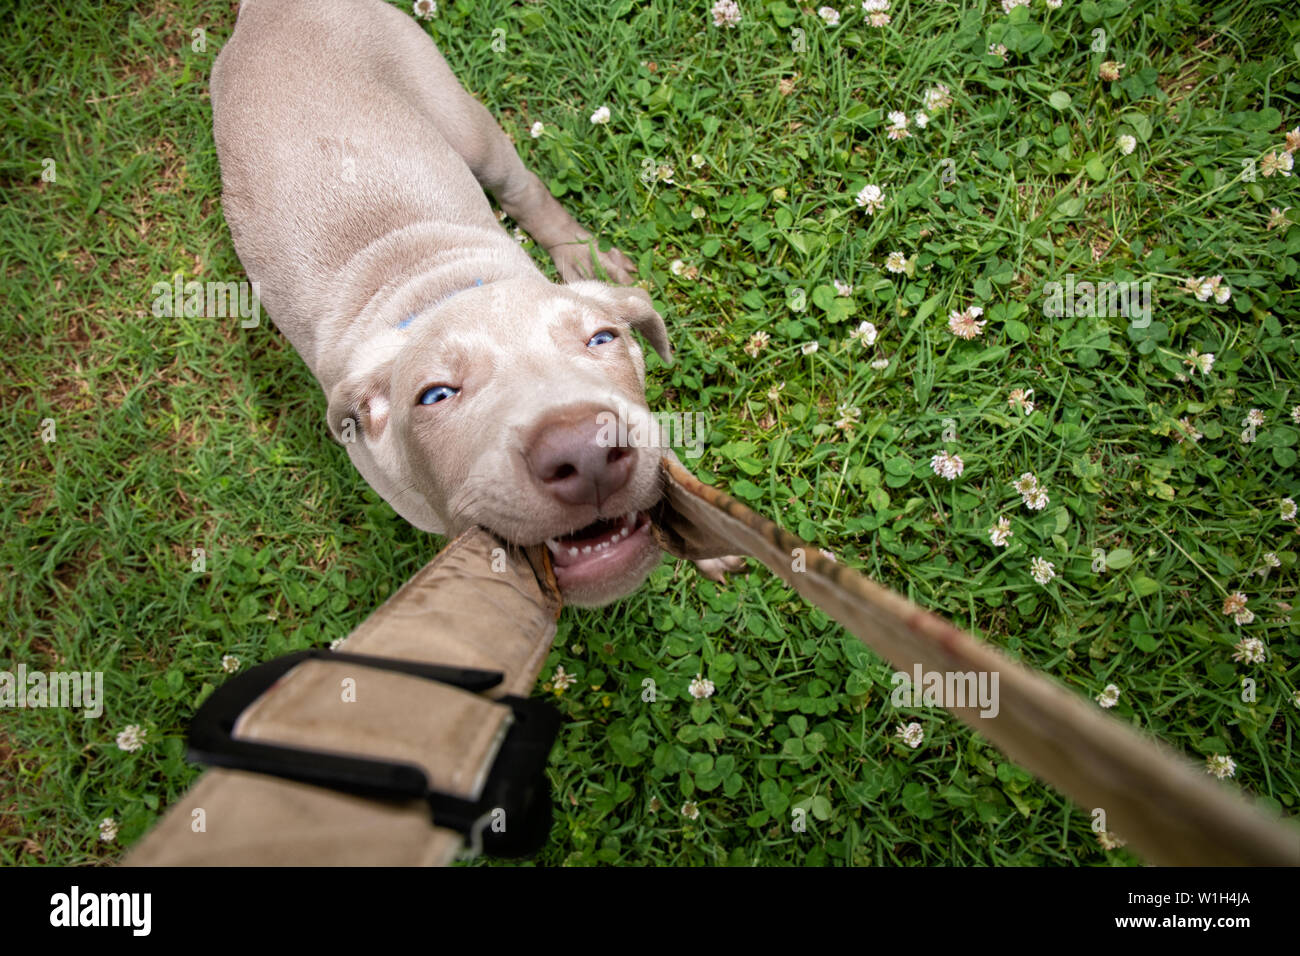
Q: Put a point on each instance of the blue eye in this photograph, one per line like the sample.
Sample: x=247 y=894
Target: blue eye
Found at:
x=600 y=338
x=434 y=395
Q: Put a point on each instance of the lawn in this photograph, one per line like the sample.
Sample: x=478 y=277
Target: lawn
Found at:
x=819 y=251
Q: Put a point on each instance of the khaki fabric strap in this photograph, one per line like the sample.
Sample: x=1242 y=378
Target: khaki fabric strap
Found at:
x=1167 y=808
x=477 y=604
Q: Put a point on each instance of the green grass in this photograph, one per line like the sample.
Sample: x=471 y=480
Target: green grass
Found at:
x=177 y=434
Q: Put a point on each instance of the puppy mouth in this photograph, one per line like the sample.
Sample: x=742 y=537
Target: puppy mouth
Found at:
x=607 y=549
x=599 y=541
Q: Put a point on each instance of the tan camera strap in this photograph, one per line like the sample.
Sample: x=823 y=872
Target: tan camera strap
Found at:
x=478 y=605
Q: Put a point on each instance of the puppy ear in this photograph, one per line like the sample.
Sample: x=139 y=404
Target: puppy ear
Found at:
x=361 y=402
x=633 y=306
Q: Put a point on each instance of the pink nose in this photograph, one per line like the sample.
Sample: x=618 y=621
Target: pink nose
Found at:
x=569 y=456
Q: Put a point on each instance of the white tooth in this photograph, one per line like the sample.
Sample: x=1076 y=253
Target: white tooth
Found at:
x=586 y=549
x=553 y=545
x=573 y=552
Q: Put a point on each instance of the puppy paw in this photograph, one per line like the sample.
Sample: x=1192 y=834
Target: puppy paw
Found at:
x=715 y=569
x=575 y=261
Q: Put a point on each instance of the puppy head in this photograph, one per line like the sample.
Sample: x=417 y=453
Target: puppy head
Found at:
x=520 y=406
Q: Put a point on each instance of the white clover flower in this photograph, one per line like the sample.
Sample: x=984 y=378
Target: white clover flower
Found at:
x=1234 y=602
x=937 y=97
x=1186 y=430
x=108 y=829
x=808 y=348
x=871 y=198
x=537 y=130
x=1220 y=765
x=947 y=466
x=865 y=333
x=1279 y=163
x=690 y=810
x=998 y=50
x=843 y=288
x=850 y=415
x=757 y=342
x=1020 y=400
x=921 y=120
x=229 y=663
x=1009 y=5
x=560 y=681
x=131 y=738
x=1109 y=696
x=1042 y=570
x=896 y=262
x=601 y=116
x=1254 y=417
x=911 y=734
x=1105 y=839
x=830 y=15
x=1295 y=414
x=1197 y=361
x=1249 y=650
x=1036 y=500
x=425 y=9
x=726 y=13
x=1288 y=509
x=1127 y=144
x=774 y=392
x=880 y=364
x=701 y=687
x=1026 y=483
x=964 y=324
x=897 y=125
x=875 y=11
x=1212 y=287
x=1001 y=533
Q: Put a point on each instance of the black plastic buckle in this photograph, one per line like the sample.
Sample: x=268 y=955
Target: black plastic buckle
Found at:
x=517 y=783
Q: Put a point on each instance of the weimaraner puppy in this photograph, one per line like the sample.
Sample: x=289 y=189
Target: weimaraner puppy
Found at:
x=467 y=388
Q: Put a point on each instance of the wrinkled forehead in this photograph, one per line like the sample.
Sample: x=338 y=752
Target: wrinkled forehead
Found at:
x=490 y=321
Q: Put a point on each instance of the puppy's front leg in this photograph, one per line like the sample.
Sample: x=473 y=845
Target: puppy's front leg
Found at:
x=527 y=201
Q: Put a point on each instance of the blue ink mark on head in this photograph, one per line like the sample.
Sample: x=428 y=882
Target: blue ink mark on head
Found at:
x=406 y=321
